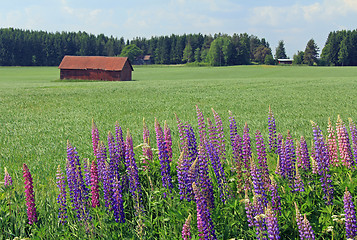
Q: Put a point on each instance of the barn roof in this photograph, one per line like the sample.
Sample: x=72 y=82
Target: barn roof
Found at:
x=94 y=62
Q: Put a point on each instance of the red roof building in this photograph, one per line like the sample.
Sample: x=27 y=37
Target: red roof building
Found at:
x=96 y=68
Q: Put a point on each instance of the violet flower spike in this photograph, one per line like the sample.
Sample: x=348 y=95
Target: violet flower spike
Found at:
x=147 y=152
x=272 y=224
x=7 y=179
x=61 y=199
x=350 y=215
x=30 y=196
x=262 y=159
x=95 y=137
x=305 y=157
x=94 y=185
x=186 y=229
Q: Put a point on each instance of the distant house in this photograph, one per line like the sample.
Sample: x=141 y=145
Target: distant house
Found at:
x=143 y=60
x=96 y=68
x=285 y=61
x=147 y=59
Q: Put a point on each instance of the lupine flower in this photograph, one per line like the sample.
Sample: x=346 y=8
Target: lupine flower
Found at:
x=281 y=153
x=305 y=230
x=117 y=202
x=249 y=210
x=168 y=141
x=30 y=196
x=258 y=183
x=77 y=190
x=305 y=158
x=7 y=179
x=289 y=158
x=354 y=139
x=182 y=176
x=272 y=130
x=259 y=219
x=101 y=160
x=272 y=224
x=350 y=215
x=247 y=152
x=298 y=154
x=204 y=181
x=181 y=129
x=95 y=137
x=262 y=159
x=186 y=229
x=114 y=158
x=332 y=144
x=344 y=143
x=132 y=169
x=164 y=158
x=94 y=185
x=61 y=199
x=119 y=144
x=212 y=148
x=204 y=221
x=298 y=183
x=147 y=152
x=322 y=160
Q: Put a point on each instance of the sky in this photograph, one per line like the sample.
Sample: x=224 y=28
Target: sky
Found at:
x=294 y=21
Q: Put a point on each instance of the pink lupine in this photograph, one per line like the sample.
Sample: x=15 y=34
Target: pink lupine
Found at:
x=94 y=184
x=344 y=143
x=7 y=179
x=186 y=229
x=30 y=196
x=332 y=144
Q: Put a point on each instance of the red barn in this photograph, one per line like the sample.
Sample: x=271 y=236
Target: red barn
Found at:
x=96 y=68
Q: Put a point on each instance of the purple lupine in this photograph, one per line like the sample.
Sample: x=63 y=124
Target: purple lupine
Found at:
x=249 y=209
x=191 y=143
x=237 y=156
x=298 y=183
x=299 y=222
x=262 y=159
x=212 y=148
x=332 y=144
x=94 y=185
x=259 y=220
x=182 y=176
x=258 y=183
x=272 y=130
x=186 y=229
x=119 y=144
x=289 y=158
x=247 y=152
x=181 y=130
x=77 y=190
x=164 y=158
x=298 y=154
x=147 y=152
x=61 y=199
x=272 y=224
x=7 y=179
x=95 y=137
x=168 y=141
x=344 y=144
x=322 y=160
x=30 y=196
x=354 y=139
x=204 y=221
x=117 y=201
x=350 y=215
x=309 y=233
x=275 y=198
x=305 y=157
x=101 y=161
x=132 y=170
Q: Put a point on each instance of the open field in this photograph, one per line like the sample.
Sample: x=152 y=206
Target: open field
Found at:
x=39 y=113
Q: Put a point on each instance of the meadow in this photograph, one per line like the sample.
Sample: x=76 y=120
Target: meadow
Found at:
x=39 y=113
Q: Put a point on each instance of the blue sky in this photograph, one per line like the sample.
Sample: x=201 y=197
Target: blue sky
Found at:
x=293 y=21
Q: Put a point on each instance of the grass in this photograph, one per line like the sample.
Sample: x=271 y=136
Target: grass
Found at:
x=39 y=113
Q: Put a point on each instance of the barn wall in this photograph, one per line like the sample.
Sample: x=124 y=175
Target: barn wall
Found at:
x=126 y=72
x=90 y=74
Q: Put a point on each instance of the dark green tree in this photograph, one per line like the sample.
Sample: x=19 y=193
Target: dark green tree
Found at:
x=311 y=53
x=280 y=51
x=299 y=58
x=260 y=53
x=187 y=53
x=197 y=55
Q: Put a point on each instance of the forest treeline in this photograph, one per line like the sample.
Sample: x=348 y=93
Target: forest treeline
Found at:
x=40 y=48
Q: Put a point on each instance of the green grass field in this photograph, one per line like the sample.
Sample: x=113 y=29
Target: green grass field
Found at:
x=39 y=112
